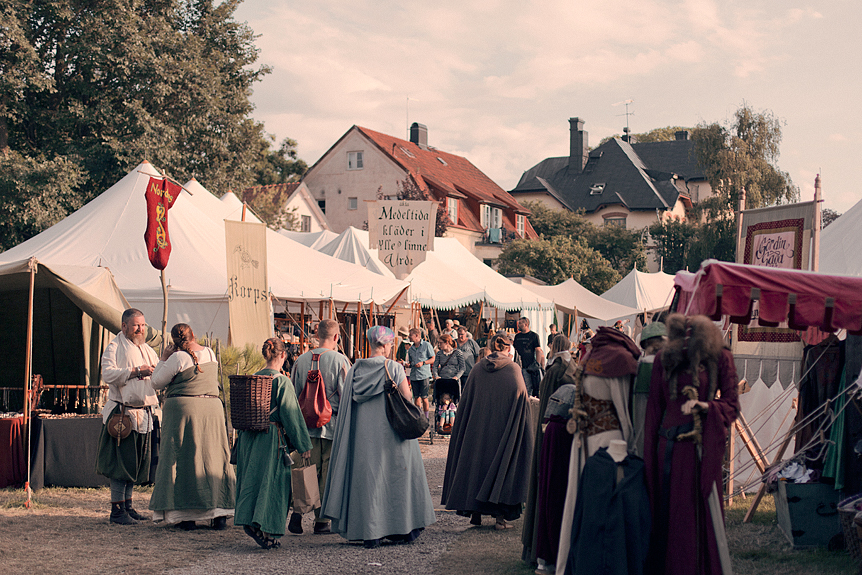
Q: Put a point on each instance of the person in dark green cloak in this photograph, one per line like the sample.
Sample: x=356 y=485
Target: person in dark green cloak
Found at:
x=262 y=479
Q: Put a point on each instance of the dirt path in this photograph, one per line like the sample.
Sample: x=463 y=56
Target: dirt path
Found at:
x=68 y=531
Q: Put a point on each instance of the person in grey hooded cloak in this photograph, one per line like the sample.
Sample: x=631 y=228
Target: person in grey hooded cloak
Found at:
x=376 y=486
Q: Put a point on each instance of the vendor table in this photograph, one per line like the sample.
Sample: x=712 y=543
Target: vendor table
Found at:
x=13 y=464
x=64 y=452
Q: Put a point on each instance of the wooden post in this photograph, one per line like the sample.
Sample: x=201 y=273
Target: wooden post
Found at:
x=761 y=491
x=301 y=325
x=730 y=466
x=164 y=311
x=739 y=236
x=815 y=244
x=28 y=375
x=479 y=323
x=356 y=331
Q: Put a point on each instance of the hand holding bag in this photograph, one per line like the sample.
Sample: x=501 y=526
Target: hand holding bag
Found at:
x=406 y=418
x=304 y=488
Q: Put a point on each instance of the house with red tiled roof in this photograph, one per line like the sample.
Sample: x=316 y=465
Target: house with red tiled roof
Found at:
x=364 y=164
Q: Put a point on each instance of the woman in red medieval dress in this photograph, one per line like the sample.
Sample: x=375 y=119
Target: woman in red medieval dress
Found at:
x=686 y=428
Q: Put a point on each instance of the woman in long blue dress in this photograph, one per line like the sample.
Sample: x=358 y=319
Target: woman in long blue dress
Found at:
x=262 y=479
x=376 y=486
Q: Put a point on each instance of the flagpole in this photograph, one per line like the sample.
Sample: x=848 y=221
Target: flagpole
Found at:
x=164 y=310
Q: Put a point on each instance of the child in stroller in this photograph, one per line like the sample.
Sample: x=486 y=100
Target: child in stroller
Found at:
x=446 y=414
x=447 y=392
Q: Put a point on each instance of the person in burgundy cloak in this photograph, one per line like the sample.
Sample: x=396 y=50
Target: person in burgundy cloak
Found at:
x=686 y=427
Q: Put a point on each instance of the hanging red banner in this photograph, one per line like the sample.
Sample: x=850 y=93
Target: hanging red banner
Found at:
x=161 y=195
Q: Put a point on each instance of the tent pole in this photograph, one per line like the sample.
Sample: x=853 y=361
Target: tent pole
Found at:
x=479 y=323
x=302 y=325
x=28 y=368
x=164 y=310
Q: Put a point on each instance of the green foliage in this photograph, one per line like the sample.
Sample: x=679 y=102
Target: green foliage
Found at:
x=666 y=134
x=709 y=234
x=96 y=87
x=827 y=216
x=281 y=166
x=743 y=155
x=556 y=259
x=622 y=248
x=268 y=203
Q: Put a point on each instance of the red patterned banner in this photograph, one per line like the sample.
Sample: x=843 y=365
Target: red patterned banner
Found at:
x=161 y=195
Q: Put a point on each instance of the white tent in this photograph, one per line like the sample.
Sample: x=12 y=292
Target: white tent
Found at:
x=109 y=231
x=571 y=297
x=216 y=209
x=313 y=240
x=644 y=291
x=839 y=254
x=352 y=246
x=234 y=209
x=451 y=277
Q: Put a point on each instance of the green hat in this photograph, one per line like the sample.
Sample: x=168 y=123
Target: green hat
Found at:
x=655 y=329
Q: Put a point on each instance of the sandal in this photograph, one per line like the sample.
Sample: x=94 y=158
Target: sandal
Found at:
x=271 y=543
x=257 y=535
x=501 y=524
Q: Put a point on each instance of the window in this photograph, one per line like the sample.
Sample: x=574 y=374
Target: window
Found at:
x=520 y=224
x=496 y=218
x=322 y=205
x=354 y=160
x=485 y=215
x=620 y=222
x=597 y=189
x=305 y=225
x=491 y=217
x=452 y=204
x=352 y=203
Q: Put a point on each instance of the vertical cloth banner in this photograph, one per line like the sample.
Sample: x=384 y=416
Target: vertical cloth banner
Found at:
x=777 y=237
x=402 y=232
x=161 y=195
x=249 y=303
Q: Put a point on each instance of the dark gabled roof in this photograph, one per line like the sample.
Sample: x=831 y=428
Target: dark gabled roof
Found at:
x=614 y=174
x=544 y=170
x=675 y=156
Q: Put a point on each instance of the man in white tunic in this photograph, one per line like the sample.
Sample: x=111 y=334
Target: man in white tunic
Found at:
x=127 y=365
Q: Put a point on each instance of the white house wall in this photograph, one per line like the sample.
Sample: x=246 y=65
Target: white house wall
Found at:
x=333 y=182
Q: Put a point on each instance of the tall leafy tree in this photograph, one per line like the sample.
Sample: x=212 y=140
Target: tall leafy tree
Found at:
x=90 y=88
x=744 y=155
x=556 y=259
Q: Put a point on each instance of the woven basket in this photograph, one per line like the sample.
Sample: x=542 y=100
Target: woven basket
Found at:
x=249 y=402
x=847 y=510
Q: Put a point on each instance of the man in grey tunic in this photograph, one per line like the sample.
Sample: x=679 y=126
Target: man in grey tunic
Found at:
x=333 y=368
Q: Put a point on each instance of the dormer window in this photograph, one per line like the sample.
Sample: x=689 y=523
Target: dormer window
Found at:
x=442 y=161
x=520 y=224
x=452 y=205
x=354 y=160
x=597 y=189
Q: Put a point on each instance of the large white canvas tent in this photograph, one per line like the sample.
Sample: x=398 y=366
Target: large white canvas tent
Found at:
x=109 y=232
x=313 y=240
x=839 y=253
x=573 y=298
x=75 y=309
x=644 y=291
x=451 y=277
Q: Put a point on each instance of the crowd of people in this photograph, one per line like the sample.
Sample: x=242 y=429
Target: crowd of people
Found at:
x=611 y=451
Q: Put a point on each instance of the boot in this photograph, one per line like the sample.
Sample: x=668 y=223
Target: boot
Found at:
x=132 y=513
x=119 y=514
x=295 y=524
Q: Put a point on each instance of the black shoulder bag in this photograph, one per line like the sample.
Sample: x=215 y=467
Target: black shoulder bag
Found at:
x=406 y=419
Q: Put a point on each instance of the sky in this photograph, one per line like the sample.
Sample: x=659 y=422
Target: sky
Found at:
x=497 y=80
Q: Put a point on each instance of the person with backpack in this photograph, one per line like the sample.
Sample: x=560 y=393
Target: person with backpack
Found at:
x=318 y=376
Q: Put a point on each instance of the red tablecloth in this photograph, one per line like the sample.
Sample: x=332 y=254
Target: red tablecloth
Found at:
x=13 y=463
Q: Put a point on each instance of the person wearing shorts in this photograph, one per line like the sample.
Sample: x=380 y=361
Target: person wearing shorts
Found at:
x=420 y=356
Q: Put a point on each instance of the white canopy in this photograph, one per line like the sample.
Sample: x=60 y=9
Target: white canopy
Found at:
x=313 y=240
x=216 y=209
x=233 y=207
x=644 y=291
x=839 y=254
x=351 y=245
x=109 y=231
x=570 y=296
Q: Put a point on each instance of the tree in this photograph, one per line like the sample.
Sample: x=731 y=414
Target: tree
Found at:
x=268 y=203
x=621 y=247
x=743 y=155
x=281 y=166
x=666 y=134
x=92 y=88
x=557 y=259
x=827 y=216
x=684 y=245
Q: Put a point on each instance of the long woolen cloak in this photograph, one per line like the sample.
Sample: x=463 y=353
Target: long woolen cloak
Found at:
x=488 y=466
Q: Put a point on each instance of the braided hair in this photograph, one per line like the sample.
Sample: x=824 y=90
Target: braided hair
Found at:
x=183 y=337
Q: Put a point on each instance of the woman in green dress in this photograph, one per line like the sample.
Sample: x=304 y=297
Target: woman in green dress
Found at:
x=194 y=479
x=262 y=479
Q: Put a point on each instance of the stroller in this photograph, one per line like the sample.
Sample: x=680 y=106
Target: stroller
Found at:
x=447 y=393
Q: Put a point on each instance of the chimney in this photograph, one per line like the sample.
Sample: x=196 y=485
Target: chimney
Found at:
x=577 y=144
x=681 y=134
x=419 y=135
